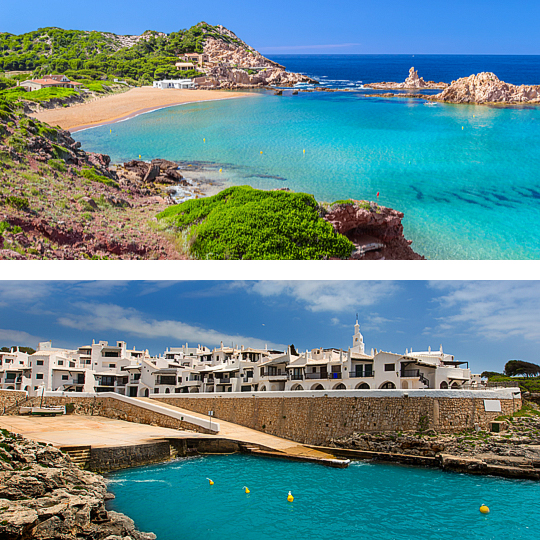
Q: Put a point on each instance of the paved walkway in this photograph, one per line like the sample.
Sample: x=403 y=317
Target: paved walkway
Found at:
x=75 y=430
x=235 y=432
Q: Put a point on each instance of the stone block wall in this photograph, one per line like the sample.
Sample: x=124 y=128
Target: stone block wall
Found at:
x=122 y=457
x=317 y=420
x=9 y=398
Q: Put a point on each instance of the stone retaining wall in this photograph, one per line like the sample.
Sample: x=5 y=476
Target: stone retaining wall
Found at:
x=122 y=457
x=8 y=398
x=317 y=420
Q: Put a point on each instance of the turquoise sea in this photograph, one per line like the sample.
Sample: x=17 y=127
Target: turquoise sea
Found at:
x=466 y=177
x=365 y=501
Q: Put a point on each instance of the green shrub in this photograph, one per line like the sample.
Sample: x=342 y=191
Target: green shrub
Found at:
x=57 y=164
x=245 y=223
x=92 y=174
x=17 y=202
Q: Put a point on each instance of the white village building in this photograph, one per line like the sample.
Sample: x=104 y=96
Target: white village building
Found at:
x=101 y=367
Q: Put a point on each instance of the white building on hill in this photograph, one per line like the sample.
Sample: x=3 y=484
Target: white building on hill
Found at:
x=182 y=84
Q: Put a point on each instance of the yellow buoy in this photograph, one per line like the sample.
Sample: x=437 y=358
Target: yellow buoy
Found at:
x=110 y=130
x=290 y=498
x=261 y=151
x=484 y=509
x=139 y=156
x=220 y=170
x=246 y=489
x=211 y=482
x=462 y=127
x=304 y=150
x=204 y=140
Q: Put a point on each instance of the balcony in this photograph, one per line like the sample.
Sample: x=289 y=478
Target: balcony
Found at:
x=224 y=380
x=410 y=373
x=297 y=377
x=274 y=376
x=320 y=376
x=362 y=374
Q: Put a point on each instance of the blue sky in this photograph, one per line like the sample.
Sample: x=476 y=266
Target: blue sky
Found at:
x=484 y=322
x=301 y=26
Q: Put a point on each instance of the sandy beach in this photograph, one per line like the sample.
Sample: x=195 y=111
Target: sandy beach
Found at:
x=122 y=106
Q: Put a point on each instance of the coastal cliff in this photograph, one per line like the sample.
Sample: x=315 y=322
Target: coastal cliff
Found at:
x=486 y=87
x=44 y=495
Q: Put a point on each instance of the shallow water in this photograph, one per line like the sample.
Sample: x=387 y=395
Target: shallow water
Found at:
x=375 y=501
x=465 y=177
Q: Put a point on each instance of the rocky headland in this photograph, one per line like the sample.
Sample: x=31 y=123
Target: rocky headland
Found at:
x=412 y=82
x=45 y=496
x=232 y=63
x=485 y=88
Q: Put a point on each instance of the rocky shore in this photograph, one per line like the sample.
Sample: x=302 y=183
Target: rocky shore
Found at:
x=513 y=452
x=375 y=231
x=43 y=496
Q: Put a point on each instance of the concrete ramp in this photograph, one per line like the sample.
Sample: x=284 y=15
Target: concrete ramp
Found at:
x=257 y=442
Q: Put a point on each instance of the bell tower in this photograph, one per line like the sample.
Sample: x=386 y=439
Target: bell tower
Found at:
x=358 y=339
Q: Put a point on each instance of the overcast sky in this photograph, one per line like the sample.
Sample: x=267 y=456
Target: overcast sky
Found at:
x=302 y=26
x=484 y=322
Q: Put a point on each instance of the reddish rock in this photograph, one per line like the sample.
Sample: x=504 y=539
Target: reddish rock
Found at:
x=375 y=230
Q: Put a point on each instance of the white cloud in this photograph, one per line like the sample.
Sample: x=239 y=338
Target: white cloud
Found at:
x=333 y=296
x=105 y=317
x=17 y=337
x=334 y=321
x=493 y=309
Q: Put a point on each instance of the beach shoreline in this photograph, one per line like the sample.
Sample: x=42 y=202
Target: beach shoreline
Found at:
x=126 y=105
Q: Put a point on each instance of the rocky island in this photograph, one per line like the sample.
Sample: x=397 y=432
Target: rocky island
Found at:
x=486 y=88
x=480 y=89
x=412 y=82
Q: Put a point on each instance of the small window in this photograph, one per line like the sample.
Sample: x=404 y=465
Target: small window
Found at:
x=64 y=377
x=112 y=365
x=39 y=375
x=60 y=362
x=389 y=367
x=156 y=390
x=39 y=362
x=89 y=361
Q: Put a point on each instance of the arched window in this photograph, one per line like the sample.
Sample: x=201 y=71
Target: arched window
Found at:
x=297 y=387
x=318 y=387
x=362 y=386
x=444 y=385
x=340 y=386
x=387 y=385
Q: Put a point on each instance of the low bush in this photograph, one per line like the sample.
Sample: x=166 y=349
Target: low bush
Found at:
x=94 y=176
x=57 y=164
x=245 y=223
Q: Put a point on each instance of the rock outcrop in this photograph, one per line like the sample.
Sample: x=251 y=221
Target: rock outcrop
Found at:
x=376 y=231
x=514 y=452
x=412 y=82
x=43 y=495
x=486 y=87
x=232 y=63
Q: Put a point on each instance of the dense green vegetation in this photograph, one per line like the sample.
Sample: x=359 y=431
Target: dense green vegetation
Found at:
x=98 y=55
x=246 y=223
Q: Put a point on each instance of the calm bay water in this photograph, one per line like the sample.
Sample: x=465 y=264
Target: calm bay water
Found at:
x=364 y=501
x=467 y=178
